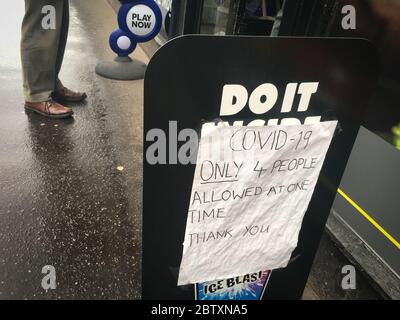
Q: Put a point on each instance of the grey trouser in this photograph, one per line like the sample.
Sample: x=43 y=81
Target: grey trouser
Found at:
x=42 y=50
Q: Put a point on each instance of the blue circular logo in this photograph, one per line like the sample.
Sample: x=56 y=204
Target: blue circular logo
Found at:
x=141 y=18
x=138 y=21
x=122 y=43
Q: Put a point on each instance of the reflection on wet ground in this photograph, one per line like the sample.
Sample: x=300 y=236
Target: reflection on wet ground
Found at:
x=71 y=189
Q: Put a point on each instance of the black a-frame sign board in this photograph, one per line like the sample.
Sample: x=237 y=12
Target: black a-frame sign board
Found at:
x=184 y=83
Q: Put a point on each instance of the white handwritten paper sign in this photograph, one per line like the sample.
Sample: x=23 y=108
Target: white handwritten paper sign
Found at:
x=251 y=189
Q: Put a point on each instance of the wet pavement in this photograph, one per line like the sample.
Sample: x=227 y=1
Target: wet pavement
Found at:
x=70 y=190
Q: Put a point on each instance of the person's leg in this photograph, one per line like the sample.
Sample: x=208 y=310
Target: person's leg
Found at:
x=62 y=93
x=39 y=50
x=63 y=41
